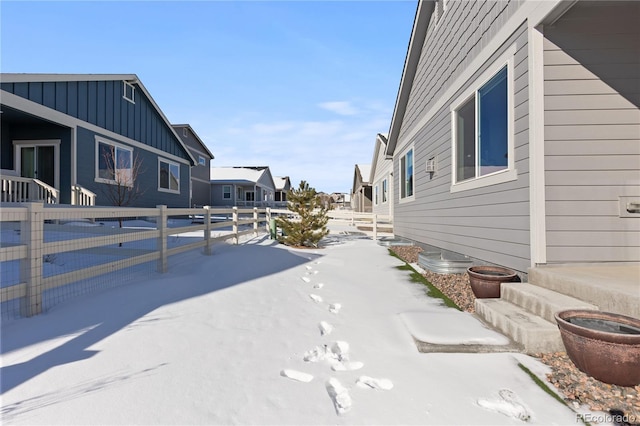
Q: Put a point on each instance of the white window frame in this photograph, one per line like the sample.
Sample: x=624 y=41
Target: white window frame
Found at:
x=376 y=191
x=202 y=161
x=385 y=191
x=116 y=146
x=131 y=88
x=170 y=163
x=184 y=132
x=412 y=197
x=509 y=173
x=225 y=193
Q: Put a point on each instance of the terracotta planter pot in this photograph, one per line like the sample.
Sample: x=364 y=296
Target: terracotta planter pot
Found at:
x=485 y=280
x=604 y=345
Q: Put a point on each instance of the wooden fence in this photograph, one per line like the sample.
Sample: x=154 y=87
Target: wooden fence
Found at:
x=35 y=219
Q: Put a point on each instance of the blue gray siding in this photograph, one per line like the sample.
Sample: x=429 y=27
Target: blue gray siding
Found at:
x=491 y=223
x=101 y=103
x=147 y=179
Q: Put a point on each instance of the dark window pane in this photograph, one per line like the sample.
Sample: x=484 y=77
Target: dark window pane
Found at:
x=492 y=124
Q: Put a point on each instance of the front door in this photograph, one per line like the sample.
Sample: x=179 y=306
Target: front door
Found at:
x=37 y=160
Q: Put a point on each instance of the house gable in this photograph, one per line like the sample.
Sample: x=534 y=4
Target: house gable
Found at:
x=117 y=103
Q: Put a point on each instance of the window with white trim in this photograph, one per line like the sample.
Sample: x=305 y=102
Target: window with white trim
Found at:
x=482 y=130
x=202 y=161
x=168 y=176
x=406 y=175
x=226 y=192
x=184 y=132
x=385 y=191
x=375 y=195
x=114 y=163
x=129 y=92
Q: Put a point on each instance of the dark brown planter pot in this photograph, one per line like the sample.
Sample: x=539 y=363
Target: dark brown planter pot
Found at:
x=485 y=280
x=611 y=356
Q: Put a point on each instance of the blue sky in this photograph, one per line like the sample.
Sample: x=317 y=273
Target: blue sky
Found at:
x=300 y=86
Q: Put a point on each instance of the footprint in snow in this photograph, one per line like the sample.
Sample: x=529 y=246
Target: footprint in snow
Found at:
x=315 y=298
x=325 y=328
x=370 y=382
x=509 y=404
x=334 y=308
x=318 y=286
x=347 y=366
x=306 y=280
x=309 y=267
x=297 y=375
x=339 y=395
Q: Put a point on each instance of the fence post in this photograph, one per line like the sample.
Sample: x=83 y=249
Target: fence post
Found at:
x=31 y=235
x=236 y=238
x=255 y=221
x=207 y=230
x=375 y=227
x=268 y=218
x=162 y=238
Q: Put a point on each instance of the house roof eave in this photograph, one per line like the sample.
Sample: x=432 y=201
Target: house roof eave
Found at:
x=418 y=34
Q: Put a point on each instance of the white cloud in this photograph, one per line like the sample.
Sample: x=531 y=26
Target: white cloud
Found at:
x=339 y=107
x=323 y=153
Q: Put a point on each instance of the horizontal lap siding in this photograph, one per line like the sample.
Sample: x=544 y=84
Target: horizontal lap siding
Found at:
x=383 y=168
x=592 y=132
x=489 y=223
x=147 y=179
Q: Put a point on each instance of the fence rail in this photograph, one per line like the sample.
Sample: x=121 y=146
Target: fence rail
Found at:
x=34 y=222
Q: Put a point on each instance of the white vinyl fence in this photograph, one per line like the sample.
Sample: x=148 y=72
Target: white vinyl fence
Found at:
x=56 y=251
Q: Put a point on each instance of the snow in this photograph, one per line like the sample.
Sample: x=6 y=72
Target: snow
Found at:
x=237 y=338
x=461 y=328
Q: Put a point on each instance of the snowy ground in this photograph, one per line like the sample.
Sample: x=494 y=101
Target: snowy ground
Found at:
x=262 y=334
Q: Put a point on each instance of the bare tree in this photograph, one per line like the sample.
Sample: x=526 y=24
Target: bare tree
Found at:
x=121 y=169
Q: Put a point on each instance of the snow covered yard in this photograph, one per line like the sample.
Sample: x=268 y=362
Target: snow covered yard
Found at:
x=260 y=334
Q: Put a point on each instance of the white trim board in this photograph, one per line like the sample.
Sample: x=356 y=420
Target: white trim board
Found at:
x=22 y=104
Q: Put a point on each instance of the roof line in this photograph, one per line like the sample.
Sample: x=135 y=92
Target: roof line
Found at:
x=418 y=35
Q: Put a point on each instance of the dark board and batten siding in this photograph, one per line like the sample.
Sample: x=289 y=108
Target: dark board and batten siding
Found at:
x=592 y=132
x=101 y=103
x=491 y=223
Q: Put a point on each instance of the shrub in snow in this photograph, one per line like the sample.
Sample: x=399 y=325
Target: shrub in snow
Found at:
x=311 y=226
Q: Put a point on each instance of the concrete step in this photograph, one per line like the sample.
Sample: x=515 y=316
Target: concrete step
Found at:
x=535 y=334
x=611 y=287
x=540 y=301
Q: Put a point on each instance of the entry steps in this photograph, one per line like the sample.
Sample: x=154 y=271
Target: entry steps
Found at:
x=525 y=313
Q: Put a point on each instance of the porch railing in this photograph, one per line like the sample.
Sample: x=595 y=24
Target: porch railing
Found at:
x=16 y=189
x=82 y=196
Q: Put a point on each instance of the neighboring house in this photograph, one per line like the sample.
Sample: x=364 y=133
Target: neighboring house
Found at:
x=382 y=178
x=361 y=191
x=516 y=132
x=341 y=200
x=85 y=132
x=200 y=179
x=282 y=185
x=242 y=187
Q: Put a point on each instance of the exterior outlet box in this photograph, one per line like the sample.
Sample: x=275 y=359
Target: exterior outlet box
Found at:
x=629 y=206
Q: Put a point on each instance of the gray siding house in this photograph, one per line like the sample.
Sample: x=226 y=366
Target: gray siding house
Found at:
x=242 y=187
x=516 y=131
x=361 y=191
x=87 y=132
x=200 y=179
x=283 y=185
x=382 y=178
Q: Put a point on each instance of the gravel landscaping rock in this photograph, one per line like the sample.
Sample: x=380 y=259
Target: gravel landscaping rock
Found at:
x=576 y=387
